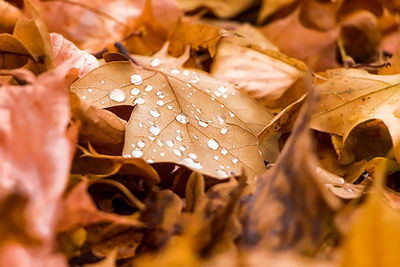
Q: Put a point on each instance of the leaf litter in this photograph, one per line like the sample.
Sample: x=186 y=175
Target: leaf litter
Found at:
x=199 y=133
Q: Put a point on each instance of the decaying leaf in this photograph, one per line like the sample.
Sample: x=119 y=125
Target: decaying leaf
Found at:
x=182 y=116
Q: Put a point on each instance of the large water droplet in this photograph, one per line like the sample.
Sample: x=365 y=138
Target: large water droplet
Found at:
x=169 y=107
x=224 y=151
x=155 y=130
x=177 y=152
x=220 y=119
x=117 y=95
x=141 y=144
x=139 y=101
x=182 y=118
x=155 y=63
x=213 y=144
x=191 y=164
x=169 y=143
x=136 y=79
x=175 y=71
x=221 y=173
x=137 y=153
x=155 y=113
x=235 y=160
x=135 y=91
x=192 y=156
x=159 y=143
x=160 y=103
x=148 y=88
x=224 y=130
x=179 y=138
x=83 y=97
x=203 y=124
x=222 y=89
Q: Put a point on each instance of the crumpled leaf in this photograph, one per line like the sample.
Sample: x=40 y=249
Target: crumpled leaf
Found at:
x=182 y=115
x=221 y=8
x=293 y=189
x=264 y=74
x=350 y=97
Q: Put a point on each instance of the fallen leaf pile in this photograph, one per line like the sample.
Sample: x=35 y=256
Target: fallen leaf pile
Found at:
x=199 y=133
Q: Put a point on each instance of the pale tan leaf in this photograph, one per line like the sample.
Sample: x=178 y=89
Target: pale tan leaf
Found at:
x=264 y=74
x=182 y=115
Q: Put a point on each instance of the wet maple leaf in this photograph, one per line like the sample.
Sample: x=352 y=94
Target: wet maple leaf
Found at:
x=181 y=115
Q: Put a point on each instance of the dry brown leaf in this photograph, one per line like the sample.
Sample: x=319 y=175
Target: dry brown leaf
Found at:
x=34 y=34
x=195 y=35
x=269 y=7
x=194 y=191
x=182 y=116
x=264 y=74
x=221 y=8
x=360 y=36
x=86 y=213
x=100 y=127
x=153 y=31
x=9 y=16
x=316 y=48
x=95 y=165
x=292 y=189
x=13 y=53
